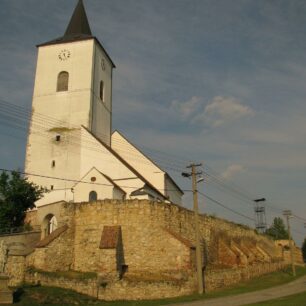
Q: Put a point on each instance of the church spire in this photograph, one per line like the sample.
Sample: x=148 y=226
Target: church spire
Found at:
x=77 y=29
x=78 y=25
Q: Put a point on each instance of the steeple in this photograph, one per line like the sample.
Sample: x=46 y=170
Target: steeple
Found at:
x=77 y=29
x=78 y=25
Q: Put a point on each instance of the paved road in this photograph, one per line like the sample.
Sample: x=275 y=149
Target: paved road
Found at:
x=294 y=287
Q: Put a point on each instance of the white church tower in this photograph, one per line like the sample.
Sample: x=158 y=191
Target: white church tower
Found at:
x=73 y=87
x=69 y=148
x=74 y=79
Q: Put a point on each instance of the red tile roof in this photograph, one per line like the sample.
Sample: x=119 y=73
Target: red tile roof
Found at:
x=48 y=239
x=110 y=237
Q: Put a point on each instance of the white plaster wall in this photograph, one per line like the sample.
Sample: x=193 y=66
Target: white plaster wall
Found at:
x=42 y=150
x=101 y=110
x=98 y=156
x=72 y=106
x=151 y=172
x=52 y=110
x=55 y=196
x=175 y=196
x=101 y=186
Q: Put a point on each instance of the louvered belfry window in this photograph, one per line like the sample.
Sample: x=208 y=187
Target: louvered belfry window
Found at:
x=62 y=81
x=102 y=91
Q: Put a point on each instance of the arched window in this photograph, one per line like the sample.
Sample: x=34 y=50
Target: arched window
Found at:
x=62 y=81
x=102 y=90
x=93 y=196
x=49 y=224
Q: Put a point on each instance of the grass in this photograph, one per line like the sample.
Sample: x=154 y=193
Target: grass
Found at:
x=292 y=300
x=35 y=296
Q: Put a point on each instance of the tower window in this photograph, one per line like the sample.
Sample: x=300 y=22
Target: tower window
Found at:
x=58 y=137
x=93 y=196
x=62 y=81
x=102 y=90
x=51 y=187
x=53 y=164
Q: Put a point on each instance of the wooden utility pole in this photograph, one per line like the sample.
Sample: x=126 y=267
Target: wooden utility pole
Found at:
x=287 y=214
x=194 y=174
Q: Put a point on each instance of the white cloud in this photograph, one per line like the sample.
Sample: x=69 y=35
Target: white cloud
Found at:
x=232 y=170
x=186 y=108
x=223 y=110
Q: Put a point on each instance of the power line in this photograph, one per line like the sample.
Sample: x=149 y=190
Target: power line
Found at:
x=19 y=117
x=224 y=206
x=38 y=125
x=78 y=181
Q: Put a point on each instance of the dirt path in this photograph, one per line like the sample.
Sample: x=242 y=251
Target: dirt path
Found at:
x=294 y=287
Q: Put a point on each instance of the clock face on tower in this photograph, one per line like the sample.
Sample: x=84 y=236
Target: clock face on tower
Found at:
x=64 y=55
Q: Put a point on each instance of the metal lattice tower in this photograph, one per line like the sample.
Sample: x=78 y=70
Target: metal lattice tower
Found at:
x=260 y=215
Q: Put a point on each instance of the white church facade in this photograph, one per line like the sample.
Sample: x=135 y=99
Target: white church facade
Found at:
x=71 y=148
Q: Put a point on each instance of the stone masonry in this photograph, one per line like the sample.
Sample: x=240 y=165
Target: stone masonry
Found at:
x=143 y=249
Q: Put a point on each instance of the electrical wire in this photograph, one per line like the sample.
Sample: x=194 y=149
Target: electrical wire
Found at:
x=20 y=118
x=224 y=206
x=78 y=181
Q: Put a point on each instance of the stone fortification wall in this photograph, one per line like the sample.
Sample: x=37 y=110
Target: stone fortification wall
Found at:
x=218 y=279
x=126 y=289
x=58 y=255
x=15 y=249
x=139 y=246
x=146 y=244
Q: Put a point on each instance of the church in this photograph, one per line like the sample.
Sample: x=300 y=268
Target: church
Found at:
x=76 y=155
x=111 y=225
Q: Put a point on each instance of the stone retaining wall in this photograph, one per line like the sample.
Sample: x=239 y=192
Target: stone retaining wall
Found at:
x=155 y=257
x=218 y=279
x=127 y=289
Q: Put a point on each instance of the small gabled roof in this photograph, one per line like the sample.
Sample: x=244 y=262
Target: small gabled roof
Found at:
x=110 y=237
x=48 y=239
x=124 y=162
x=145 y=190
x=105 y=176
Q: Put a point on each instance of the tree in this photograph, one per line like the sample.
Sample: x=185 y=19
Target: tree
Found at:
x=17 y=195
x=304 y=250
x=278 y=230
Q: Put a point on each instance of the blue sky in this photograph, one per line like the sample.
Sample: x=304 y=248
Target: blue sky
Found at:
x=219 y=82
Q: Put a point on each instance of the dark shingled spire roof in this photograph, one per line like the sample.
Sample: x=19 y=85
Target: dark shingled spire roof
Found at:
x=78 y=29
x=78 y=25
